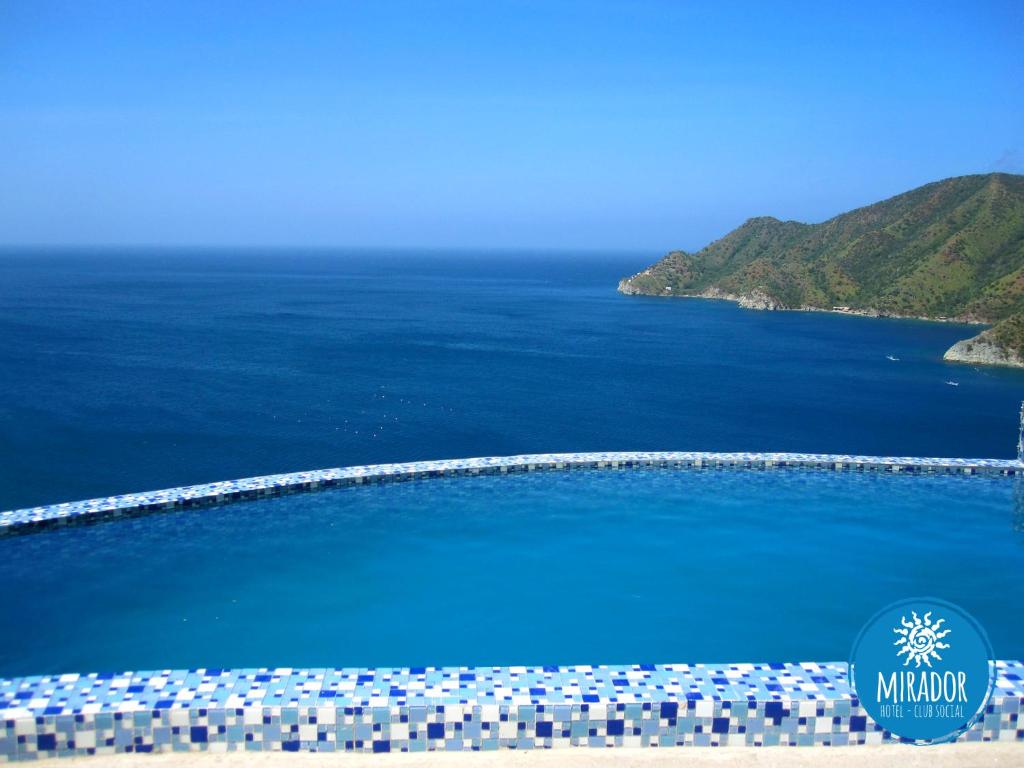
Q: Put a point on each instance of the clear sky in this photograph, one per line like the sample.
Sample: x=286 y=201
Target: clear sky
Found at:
x=638 y=125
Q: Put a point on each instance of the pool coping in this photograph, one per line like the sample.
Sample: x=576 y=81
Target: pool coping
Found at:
x=227 y=491
x=457 y=709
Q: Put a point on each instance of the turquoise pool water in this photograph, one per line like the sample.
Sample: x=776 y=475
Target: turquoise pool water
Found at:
x=559 y=567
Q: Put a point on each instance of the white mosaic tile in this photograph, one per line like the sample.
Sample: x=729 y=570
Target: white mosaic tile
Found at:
x=455 y=708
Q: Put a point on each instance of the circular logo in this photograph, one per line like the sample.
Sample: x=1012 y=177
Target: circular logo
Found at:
x=923 y=669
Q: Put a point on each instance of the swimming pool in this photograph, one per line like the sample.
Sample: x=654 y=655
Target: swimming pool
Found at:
x=285 y=616
x=592 y=566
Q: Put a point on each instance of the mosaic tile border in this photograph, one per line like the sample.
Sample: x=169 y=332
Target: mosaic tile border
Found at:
x=456 y=708
x=22 y=520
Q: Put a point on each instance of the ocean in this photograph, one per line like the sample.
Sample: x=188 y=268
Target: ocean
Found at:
x=135 y=369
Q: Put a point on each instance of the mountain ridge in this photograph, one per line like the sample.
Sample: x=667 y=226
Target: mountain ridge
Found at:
x=948 y=250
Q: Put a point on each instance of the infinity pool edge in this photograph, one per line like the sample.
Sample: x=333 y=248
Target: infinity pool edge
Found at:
x=228 y=491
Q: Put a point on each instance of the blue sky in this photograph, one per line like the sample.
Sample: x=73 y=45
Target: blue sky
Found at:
x=613 y=125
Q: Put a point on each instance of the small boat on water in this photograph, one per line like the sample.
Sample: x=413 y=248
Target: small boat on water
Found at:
x=893 y=358
x=953 y=383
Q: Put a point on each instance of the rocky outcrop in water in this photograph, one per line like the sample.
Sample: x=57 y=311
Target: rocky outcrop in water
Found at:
x=982 y=350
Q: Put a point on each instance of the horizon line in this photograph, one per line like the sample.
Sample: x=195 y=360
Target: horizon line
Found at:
x=326 y=247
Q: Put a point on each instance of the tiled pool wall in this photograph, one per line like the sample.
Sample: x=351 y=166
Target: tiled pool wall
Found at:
x=478 y=708
x=210 y=494
x=417 y=710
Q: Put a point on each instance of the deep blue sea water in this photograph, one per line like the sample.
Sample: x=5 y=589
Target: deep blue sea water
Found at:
x=134 y=370
x=572 y=567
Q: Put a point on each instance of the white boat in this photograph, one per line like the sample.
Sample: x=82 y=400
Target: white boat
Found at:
x=893 y=358
x=953 y=383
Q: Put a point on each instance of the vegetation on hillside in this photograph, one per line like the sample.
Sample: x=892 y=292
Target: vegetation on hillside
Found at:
x=950 y=249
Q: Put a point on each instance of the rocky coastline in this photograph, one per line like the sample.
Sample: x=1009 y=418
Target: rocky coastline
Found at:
x=981 y=349
x=948 y=251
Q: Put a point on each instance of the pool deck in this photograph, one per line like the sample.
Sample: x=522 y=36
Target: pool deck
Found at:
x=755 y=708
x=959 y=755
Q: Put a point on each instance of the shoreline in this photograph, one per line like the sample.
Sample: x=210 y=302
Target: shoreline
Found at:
x=763 y=303
x=979 y=349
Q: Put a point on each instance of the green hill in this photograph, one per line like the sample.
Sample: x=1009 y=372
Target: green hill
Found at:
x=953 y=249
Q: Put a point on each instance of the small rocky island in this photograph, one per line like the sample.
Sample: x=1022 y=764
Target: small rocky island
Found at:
x=951 y=250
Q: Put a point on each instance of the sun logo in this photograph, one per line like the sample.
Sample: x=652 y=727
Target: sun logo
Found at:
x=921 y=639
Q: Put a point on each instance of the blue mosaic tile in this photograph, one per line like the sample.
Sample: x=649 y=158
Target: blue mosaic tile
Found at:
x=20 y=520
x=455 y=708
